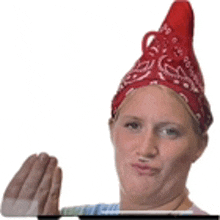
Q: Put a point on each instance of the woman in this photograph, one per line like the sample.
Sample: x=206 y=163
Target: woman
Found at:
x=159 y=143
x=159 y=123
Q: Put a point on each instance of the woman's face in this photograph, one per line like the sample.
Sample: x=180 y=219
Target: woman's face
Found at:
x=154 y=125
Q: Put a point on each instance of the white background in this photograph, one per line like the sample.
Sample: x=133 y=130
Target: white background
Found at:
x=60 y=65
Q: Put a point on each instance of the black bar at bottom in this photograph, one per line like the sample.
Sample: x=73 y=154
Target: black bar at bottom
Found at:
x=149 y=217
x=135 y=217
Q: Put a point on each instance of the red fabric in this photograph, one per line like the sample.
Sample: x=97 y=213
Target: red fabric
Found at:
x=170 y=60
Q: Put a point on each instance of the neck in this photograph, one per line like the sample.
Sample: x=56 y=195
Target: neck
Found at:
x=180 y=202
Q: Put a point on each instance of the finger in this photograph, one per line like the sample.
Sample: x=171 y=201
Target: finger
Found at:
x=33 y=180
x=18 y=180
x=52 y=204
x=15 y=185
x=45 y=185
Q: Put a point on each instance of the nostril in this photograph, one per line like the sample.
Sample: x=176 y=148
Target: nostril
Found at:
x=148 y=153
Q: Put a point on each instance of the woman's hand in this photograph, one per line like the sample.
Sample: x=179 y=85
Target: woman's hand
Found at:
x=35 y=189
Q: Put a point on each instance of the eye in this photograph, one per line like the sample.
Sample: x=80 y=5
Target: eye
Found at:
x=133 y=125
x=170 y=132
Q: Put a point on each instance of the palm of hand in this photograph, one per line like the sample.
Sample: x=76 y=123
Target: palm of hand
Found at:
x=35 y=189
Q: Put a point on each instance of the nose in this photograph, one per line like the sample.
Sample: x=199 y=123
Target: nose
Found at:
x=148 y=144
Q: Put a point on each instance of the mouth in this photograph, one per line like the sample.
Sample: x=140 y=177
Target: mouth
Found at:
x=144 y=170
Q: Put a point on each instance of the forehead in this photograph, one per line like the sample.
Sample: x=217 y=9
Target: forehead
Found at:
x=153 y=102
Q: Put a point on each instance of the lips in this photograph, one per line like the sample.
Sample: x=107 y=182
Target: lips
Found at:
x=145 y=169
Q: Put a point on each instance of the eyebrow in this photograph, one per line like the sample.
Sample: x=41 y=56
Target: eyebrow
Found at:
x=132 y=117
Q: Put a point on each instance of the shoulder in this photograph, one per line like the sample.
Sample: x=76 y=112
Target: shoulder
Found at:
x=197 y=211
x=98 y=209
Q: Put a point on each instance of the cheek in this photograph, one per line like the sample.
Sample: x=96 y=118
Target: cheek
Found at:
x=124 y=149
x=123 y=142
x=178 y=156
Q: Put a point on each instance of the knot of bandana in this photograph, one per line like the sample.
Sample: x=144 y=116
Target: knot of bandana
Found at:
x=165 y=44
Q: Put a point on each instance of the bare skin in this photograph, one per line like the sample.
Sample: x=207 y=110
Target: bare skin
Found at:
x=35 y=189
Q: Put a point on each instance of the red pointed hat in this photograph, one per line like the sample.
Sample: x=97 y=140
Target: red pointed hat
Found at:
x=170 y=61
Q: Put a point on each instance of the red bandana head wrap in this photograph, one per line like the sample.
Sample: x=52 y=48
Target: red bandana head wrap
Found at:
x=170 y=61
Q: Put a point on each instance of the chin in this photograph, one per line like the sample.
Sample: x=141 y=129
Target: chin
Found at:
x=138 y=189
